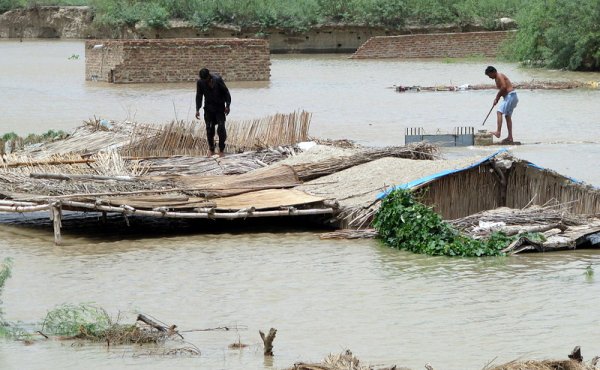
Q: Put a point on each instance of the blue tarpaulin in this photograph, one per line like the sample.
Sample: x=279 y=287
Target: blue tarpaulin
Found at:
x=412 y=184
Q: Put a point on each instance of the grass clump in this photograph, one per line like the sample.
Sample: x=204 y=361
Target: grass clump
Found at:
x=71 y=320
x=89 y=322
x=5 y=272
x=404 y=223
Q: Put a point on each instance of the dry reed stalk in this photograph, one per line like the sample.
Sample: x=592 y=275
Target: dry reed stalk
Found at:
x=534 y=215
x=526 y=183
x=181 y=138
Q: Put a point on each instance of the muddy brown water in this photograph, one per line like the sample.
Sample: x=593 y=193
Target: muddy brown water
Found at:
x=388 y=306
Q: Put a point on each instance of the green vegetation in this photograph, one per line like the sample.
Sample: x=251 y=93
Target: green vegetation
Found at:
x=559 y=34
x=5 y=271
x=89 y=322
x=70 y=320
x=296 y=14
x=6 y=5
x=404 y=223
x=49 y=135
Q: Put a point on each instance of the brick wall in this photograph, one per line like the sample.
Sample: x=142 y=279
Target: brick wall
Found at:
x=440 y=45
x=176 y=60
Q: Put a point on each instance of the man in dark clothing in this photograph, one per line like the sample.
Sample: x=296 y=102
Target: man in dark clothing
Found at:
x=216 y=106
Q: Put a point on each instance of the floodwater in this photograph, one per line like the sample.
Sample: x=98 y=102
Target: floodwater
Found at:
x=387 y=306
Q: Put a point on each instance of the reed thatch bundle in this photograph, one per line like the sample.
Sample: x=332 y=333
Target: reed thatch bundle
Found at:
x=534 y=215
x=56 y=163
x=544 y=365
x=189 y=138
x=342 y=361
x=312 y=170
x=231 y=164
x=25 y=187
x=90 y=138
x=271 y=177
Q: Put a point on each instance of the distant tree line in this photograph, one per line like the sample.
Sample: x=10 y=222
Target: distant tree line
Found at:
x=552 y=33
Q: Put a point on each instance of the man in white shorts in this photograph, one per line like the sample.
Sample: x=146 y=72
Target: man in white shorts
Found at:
x=507 y=91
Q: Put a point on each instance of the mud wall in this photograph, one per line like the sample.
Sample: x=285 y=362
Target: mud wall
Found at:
x=441 y=45
x=176 y=60
x=46 y=22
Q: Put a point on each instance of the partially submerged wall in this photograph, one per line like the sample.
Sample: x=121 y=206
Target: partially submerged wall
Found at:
x=439 y=45
x=176 y=60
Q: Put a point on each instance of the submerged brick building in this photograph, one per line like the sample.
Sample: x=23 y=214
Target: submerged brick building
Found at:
x=176 y=60
x=434 y=45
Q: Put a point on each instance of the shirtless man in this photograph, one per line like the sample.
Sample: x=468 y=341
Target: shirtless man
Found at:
x=507 y=91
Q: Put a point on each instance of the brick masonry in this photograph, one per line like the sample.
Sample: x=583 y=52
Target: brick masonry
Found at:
x=439 y=45
x=176 y=60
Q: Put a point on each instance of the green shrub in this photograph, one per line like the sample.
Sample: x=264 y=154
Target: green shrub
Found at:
x=404 y=223
x=559 y=34
x=156 y=16
x=388 y=13
x=5 y=272
x=9 y=136
x=70 y=320
x=6 y=5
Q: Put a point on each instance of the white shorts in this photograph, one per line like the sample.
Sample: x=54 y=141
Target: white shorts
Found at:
x=509 y=104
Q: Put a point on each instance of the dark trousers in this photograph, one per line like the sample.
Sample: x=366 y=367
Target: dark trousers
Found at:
x=217 y=119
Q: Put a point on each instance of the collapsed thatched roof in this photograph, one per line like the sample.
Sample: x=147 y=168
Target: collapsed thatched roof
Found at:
x=357 y=188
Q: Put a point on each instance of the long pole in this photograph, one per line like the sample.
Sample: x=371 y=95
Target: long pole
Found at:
x=486 y=117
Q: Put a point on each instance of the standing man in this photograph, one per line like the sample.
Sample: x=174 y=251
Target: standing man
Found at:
x=507 y=91
x=216 y=106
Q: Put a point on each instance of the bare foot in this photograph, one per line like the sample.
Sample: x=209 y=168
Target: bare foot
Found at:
x=508 y=140
x=210 y=153
x=496 y=134
x=221 y=154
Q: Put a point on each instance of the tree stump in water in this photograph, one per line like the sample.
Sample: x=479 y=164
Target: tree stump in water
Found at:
x=268 y=341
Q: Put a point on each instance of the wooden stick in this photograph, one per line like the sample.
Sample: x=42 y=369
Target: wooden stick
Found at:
x=49 y=163
x=268 y=341
x=58 y=176
x=145 y=319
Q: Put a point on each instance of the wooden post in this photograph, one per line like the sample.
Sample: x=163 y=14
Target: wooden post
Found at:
x=268 y=341
x=57 y=222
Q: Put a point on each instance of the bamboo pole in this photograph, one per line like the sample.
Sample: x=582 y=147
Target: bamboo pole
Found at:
x=23 y=209
x=12 y=203
x=201 y=215
x=49 y=163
